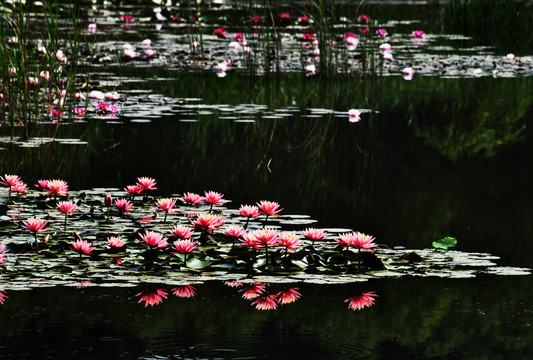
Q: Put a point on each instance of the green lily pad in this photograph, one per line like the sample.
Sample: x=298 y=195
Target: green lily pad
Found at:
x=445 y=243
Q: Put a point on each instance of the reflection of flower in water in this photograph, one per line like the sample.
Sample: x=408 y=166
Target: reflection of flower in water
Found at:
x=288 y=296
x=82 y=284
x=361 y=301
x=3 y=296
x=152 y=297
x=184 y=291
x=252 y=291
x=266 y=302
x=233 y=283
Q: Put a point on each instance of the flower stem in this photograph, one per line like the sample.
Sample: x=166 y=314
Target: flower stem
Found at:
x=65 y=228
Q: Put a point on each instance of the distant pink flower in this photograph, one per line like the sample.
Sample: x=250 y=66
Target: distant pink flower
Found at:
x=361 y=301
x=249 y=211
x=256 y=19
x=354 y=115
x=182 y=232
x=253 y=290
x=234 y=231
x=115 y=242
x=147 y=42
x=238 y=37
x=154 y=239
x=107 y=107
x=510 y=57
x=233 y=283
x=82 y=247
x=269 y=208
x=364 y=18
x=133 y=189
x=385 y=47
x=126 y=18
x=184 y=246
x=418 y=34
x=381 y=32
x=10 y=180
x=284 y=16
x=249 y=240
x=266 y=302
x=308 y=37
x=91 y=28
x=20 y=188
x=387 y=55
x=184 y=291
x=303 y=20
x=266 y=237
x=152 y=297
x=314 y=234
x=290 y=240
x=221 y=32
x=146 y=183
x=192 y=198
x=35 y=225
x=213 y=198
x=364 y=30
x=165 y=204
x=78 y=111
x=208 y=222
x=357 y=240
x=408 y=73
x=67 y=207
x=288 y=296
x=149 y=52
x=42 y=184
x=123 y=205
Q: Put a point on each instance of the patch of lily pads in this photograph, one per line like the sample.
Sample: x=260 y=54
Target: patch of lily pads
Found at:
x=218 y=254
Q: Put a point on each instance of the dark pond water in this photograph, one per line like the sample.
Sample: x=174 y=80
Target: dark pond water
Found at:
x=431 y=157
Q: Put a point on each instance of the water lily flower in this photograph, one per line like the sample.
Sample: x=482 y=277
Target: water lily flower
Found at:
x=107 y=107
x=223 y=67
x=115 y=242
x=154 y=240
x=78 y=111
x=288 y=296
x=152 y=297
x=385 y=47
x=147 y=42
x=314 y=234
x=249 y=211
x=249 y=240
x=266 y=302
x=45 y=75
x=310 y=70
x=208 y=222
x=66 y=207
x=510 y=57
x=60 y=55
x=221 y=32
x=308 y=37
x=149 y=52
x=268 y=208
x=10 y=181
x=182 y=232
x=123 y=205
x=235 y=45
x=129 y=53
x=256 y=19
x=57 y=188
x=184 y=291
x=91 y=28
x=146 y=183
x=381 y=32
x=95 y=94
x=234 y=231
x=284 y=16
x=20 y=188
x=303 y=20
x=354 y=115
x=184 y=247
x=290 y=240
x=418 y=34
x=112 y=95
x=133 y=190
x=363 y=18
x=126 y=18
x=408 y=73
x=387 y=55
x=192 y=198
x=361 y=301
x=362 y=241
x=165 y=205
x=82 y=247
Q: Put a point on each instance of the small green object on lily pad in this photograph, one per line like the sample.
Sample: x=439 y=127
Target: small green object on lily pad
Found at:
x=445 y=243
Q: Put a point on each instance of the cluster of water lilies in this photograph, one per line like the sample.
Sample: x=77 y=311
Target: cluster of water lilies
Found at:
x=200 y=229
x=256 y=292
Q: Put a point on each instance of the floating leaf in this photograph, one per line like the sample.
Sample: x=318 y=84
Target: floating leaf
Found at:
x=445 y=243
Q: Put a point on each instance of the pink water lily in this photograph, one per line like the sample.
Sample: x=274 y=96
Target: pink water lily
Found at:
x=66 y=207
x=354 y=115
x=82 y=247
x=166 y=205
x=381 y=32
x=182 y=232
x=184 y=247
x=192 y=198
x=314 y=234
x=418 y=34
x=115 y=242
x=154 y=240
x=123 y=205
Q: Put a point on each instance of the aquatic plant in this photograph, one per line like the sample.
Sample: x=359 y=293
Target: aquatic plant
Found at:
x=66 y=207
x=35 y=225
